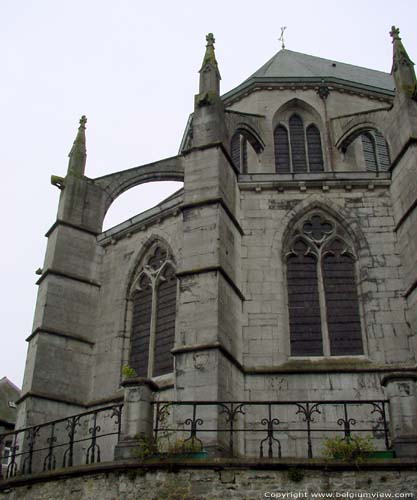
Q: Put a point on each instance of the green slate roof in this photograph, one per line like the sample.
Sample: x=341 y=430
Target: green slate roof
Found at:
x=289 y=66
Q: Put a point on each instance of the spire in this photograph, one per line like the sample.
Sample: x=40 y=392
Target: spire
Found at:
x=78 y=153
x=402 y=67
x=209 y=72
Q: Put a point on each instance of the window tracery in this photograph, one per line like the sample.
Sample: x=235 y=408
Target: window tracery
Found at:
x=153 y=317
x=322 y=292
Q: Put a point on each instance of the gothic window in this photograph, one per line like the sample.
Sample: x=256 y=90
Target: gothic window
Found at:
x=297 y=139
x=315 y=154
x=282 y=150
x=153 y=319
x=297 y=149
x=322 y=292
x=375 y=151
x=239 y=152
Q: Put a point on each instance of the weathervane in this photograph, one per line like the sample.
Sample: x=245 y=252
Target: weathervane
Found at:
x=281 y=38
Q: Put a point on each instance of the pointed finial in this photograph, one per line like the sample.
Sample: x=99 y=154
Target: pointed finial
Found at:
x=210 y=39
x=395 y=33
x=209 y=56
x=78 y=153
x=402 y=67
x=281 y=38
x=209 y=72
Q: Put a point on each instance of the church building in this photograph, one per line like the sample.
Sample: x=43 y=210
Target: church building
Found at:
x=276 y=290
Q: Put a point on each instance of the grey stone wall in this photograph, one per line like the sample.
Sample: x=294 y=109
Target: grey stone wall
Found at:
x=233 y=483
x=366 y=213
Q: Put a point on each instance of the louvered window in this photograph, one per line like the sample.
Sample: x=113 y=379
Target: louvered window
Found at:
x=375 y=151
x=322 y=295
x=153 y=318
x=299 y=150
x=239 y=152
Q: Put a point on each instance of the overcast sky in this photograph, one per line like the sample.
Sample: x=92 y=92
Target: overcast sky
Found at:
x=132 y=67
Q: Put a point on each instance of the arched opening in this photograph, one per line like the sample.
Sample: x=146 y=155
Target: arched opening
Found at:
x=153 y=296
x=245 y=145
x=366 y=149
x=298 y=143
x=139 y=199
x=323 y=299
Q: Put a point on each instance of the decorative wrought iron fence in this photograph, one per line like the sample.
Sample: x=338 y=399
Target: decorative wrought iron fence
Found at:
x=80 y=439
x=268 y=429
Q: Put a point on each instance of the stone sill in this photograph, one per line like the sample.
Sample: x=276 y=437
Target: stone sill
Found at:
x=217 y=464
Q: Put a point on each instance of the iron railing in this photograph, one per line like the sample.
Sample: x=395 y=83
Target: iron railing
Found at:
x=266 y=429
x=75 y=440
x=259 y=428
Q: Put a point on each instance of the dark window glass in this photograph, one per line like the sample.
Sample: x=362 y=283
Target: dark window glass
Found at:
x=315 y=155
x=282 y=150
x=165 y=323
x=303 y=303
x=298 y=150
x=343 y=321
x=141 y=322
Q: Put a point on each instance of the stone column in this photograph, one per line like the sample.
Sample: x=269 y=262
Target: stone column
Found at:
x=137 y=418
x=402 y=395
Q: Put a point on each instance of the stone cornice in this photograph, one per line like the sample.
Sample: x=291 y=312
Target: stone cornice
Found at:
x=60 y=222
x=55 y=272
x=310 y=83
x=57 y=333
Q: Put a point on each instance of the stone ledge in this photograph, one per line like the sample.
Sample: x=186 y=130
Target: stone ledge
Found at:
x=343 y=365
x=70 y=276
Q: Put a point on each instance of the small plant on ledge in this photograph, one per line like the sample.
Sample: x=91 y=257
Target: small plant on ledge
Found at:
x=128 y=372
x=352 y=449
x=185 y=446
x=147 y=448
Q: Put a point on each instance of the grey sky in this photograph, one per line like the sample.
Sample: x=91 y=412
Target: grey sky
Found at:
x=131 y=67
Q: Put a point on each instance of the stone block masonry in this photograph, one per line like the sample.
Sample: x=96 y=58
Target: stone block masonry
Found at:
x=219 y=481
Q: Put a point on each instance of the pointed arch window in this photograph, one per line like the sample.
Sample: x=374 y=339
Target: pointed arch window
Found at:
x=297 y=149
x=153 y=317
x=322 y=292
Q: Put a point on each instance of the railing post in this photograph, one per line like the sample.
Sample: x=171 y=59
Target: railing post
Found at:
x=137 y=417
x=401 y=391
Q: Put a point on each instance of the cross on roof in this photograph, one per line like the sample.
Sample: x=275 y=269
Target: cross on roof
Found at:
x=395 y=33
x=281 y=38
x=210 y=39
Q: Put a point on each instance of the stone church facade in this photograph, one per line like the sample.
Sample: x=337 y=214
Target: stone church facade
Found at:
x=283 y=271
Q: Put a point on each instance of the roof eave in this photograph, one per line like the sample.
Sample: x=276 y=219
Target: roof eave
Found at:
x=264 y=81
